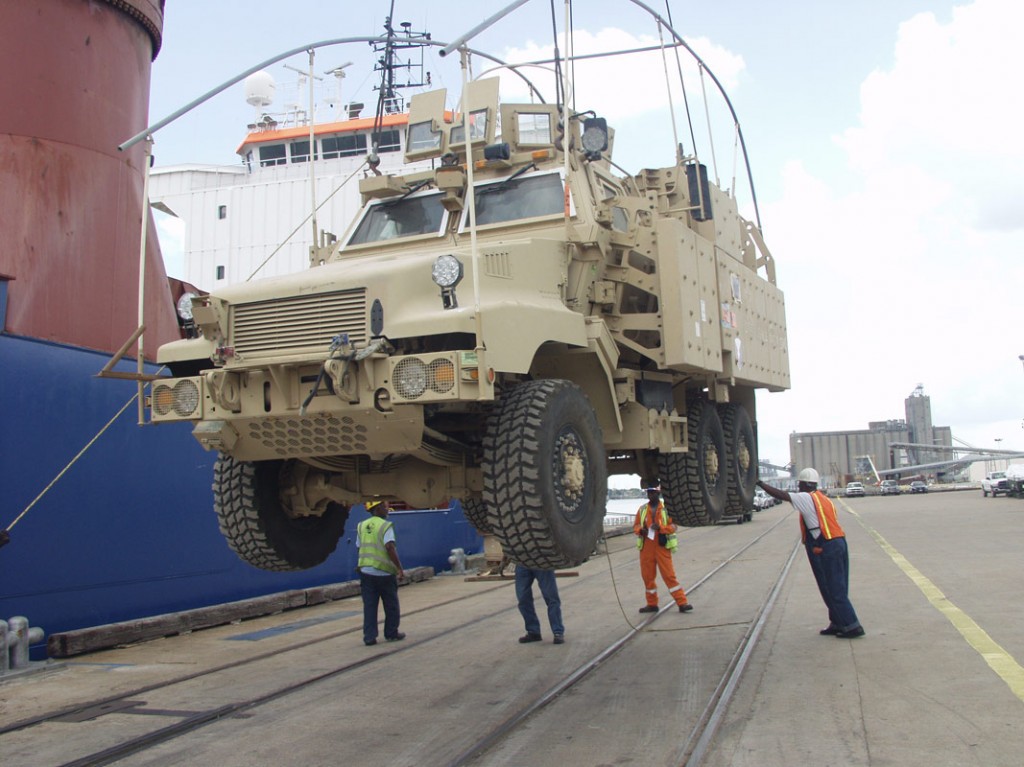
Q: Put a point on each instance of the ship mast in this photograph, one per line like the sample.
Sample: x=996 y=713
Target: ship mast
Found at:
x=390 y=100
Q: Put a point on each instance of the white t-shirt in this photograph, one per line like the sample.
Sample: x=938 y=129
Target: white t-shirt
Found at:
x=803 y=503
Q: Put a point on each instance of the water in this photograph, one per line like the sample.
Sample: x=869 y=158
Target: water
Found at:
x=622 y=511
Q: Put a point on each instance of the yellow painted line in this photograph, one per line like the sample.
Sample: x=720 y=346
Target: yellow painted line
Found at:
x=998 y=659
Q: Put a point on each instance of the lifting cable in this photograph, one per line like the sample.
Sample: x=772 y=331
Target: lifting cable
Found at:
x=668 y=91
x=682 y=83
x=303 y=222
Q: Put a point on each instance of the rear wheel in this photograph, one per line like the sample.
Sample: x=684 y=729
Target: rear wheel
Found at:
x=545 y=477
x=260 y=529
x=740 y=458
x=694 y=483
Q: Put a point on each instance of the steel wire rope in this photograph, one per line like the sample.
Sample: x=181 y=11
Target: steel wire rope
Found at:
x=4 y=533
x=644 y=624
x=682 y=85
x=303 y=222
x=584 y=670
x=707 y=117
x=668 y=90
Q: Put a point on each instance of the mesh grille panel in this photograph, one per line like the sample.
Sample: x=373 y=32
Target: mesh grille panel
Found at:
x=300 y=323
x=316 y=435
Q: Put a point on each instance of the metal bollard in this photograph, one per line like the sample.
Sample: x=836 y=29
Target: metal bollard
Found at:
x=458 y=560
x=15 y=639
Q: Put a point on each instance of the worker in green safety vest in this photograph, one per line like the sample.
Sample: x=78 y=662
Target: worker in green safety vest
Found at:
x=379 y=570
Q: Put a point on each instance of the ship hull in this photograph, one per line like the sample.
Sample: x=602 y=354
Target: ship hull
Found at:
x=128 y=531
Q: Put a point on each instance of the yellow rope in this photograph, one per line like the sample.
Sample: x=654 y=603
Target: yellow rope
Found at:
x=73 y=460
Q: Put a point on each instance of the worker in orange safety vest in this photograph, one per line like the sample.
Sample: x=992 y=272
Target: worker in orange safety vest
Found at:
x=656 y=540
x=825 y=542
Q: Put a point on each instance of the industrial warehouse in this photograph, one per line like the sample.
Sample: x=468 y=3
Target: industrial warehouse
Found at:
x=901 y=449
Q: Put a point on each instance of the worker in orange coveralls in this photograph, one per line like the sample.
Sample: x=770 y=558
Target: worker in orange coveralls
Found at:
x=656 y=540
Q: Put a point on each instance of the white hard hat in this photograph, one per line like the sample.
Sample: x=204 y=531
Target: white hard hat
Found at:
x=810 y=476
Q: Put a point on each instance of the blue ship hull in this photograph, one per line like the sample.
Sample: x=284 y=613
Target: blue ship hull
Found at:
x=129 y=530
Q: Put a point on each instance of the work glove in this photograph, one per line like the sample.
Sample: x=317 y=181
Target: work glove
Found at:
x=643 y=532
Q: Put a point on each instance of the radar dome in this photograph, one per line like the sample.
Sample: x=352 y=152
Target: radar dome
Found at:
x=259 y=89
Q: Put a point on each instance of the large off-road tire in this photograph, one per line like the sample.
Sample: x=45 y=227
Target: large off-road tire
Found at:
x=474 y=510
x=740 y=458
x=257 y=526
x=545 y=476
x=693 y=484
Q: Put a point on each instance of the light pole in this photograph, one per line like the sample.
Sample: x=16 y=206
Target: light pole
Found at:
x=996 y=462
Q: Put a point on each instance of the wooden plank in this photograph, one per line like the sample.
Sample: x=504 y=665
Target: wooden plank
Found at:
x=69 y=643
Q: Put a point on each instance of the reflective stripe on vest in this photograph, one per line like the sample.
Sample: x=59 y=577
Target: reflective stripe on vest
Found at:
x=372 y=552
x=827 y=520
x=671 y=542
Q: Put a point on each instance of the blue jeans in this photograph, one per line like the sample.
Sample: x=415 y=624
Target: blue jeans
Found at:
x=831 y=570
x=548 y=589
x=374 y=589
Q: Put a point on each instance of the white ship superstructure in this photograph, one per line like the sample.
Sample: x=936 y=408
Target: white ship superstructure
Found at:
x=237 y=216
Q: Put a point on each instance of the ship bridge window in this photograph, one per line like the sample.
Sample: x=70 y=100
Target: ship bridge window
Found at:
x=344 y=146
x=300 y=151
x=402 y=217
x=388 y=141
x=520 y=198
x=273 y=154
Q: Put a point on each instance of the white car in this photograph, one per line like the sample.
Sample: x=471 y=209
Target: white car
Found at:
x=762 y=500
x=854 y=490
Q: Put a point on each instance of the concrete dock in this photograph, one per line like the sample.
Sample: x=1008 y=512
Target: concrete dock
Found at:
x=936 y=580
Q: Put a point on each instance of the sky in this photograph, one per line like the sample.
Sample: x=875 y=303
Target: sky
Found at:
x=883 y=138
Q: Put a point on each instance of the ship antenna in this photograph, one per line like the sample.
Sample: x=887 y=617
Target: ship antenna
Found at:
x=390 y=101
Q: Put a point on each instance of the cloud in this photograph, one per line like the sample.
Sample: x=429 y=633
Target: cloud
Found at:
x=602 y=82
x=949 y=108
x=914 y=275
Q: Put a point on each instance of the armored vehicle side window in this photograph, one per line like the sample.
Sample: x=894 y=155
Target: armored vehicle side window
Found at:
x=477 y=128
x=534 y=128
x=404 y=217
x=423 y=137
x=518 y=198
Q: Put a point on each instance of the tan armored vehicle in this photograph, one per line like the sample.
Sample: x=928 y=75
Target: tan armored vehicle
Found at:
x=507 y=329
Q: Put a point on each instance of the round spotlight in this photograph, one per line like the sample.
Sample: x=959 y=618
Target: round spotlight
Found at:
x=447 y=271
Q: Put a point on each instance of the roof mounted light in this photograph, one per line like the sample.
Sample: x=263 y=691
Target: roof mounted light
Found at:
x=595 y=137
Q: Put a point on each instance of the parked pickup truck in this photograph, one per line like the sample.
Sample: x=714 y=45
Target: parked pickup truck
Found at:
x=854 y=490
x=995 y=482
x=1015 y=479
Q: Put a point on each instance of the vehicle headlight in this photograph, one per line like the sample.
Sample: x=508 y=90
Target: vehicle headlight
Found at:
x=410 y=378
x=441 y=374
x=182 y=398
x=447 y=271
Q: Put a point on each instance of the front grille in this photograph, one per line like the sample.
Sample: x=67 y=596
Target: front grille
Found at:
x=299 y=324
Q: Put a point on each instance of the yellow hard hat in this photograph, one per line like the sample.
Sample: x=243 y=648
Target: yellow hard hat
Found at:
x=371 y=505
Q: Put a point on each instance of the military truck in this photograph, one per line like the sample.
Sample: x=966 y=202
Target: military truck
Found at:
x=508 y=329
